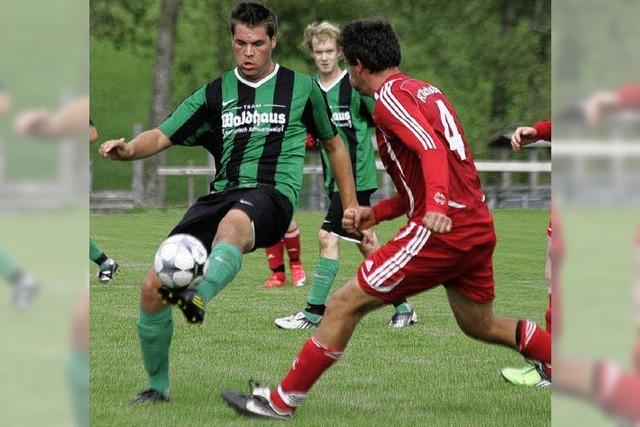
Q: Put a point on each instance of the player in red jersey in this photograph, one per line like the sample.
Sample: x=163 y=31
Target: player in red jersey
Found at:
x=536 y=374
x=448 y=239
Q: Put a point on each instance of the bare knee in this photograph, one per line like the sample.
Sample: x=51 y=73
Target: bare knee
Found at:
x=236 y=229
x=149 y=298
x=329 y=244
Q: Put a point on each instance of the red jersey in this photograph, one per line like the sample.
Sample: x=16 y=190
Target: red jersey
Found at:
x=424 y=150
x=544 y=130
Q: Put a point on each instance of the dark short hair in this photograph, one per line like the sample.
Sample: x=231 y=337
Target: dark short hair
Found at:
x=372 y=41
x=254 y=14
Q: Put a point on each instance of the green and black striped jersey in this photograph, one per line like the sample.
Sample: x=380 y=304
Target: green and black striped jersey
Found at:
x=255 y=131
x=352 y=115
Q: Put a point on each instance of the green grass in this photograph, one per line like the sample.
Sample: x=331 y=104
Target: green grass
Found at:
x=429 y=374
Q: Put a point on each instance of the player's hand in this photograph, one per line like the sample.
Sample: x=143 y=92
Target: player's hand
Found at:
x=437 y=222
x=359 y=218
x=523 y=136
x=31 y=122
x=114 y=149
x=369 y=238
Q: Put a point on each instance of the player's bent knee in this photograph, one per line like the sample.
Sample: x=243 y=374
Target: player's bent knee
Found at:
x=326 y=239
x=150 y=299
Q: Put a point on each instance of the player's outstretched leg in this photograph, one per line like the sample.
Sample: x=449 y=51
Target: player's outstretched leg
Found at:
x=294 y=251
x=155 y=329
x=346 y=308
x=275 y=258
x=477 y=320
x=323 y=278
x=24 y=286
x=234 y=236
x=108 y=267
x=534 y=375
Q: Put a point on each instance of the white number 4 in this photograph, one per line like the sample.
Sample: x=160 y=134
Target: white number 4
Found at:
x=451 y=130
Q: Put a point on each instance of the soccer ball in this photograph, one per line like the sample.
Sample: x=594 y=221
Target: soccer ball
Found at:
x=181 y=261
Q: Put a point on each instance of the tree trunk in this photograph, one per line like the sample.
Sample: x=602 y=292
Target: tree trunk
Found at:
x=500 y=97
x=155 y=188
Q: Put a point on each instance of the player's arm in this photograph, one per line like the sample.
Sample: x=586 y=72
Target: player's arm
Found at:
x=390 y=208
x=319 y=123
x=70 y=120
x=142 y=146
x=184 y=126
x=401 y=117
x=529 y=134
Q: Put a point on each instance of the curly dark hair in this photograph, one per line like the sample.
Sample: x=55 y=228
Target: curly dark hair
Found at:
x=254 y=14
x=372 y=41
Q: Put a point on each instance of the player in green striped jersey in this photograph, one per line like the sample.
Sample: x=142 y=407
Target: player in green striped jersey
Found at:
x=352 y=115
x=254 y=120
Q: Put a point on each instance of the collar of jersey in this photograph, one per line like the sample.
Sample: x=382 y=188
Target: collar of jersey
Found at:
x=392 y=78
x=331 y=86
x=256 y=84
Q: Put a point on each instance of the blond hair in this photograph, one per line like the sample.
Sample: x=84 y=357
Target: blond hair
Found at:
x=321 y=31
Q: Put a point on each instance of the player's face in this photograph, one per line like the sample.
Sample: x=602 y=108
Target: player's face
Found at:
x=252 y=51
x=326 y=55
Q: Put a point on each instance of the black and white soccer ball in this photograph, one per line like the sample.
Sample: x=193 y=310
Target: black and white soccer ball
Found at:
x=181 y=261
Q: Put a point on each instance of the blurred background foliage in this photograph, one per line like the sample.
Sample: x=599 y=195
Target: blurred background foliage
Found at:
x=491 y=58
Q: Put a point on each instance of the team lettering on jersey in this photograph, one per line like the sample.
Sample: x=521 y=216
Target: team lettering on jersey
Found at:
x=340 y=118
x=424 y=92
x=250 y=119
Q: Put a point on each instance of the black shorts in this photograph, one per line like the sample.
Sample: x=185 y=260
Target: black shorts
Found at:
x=269 y=210
x=333 y=221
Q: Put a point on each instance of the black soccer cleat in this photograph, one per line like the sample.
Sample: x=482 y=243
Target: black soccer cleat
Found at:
x=108 y=271
x=252 y=405
x=188 y=300
x=150 y=396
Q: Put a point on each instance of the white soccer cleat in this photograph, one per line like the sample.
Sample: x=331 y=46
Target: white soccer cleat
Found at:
x=296 y=321
x=402 y=320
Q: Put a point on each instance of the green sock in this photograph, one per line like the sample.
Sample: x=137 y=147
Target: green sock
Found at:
x=7 y=267
x=78 y=377
x=224 y=263
x=95 y=253
x=155 y=331
x=323 y=278
x=402 y=307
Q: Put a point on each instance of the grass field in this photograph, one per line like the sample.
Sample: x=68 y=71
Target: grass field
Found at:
x=429 y=374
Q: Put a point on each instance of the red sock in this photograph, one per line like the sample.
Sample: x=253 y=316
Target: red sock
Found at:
x=275 y=255
x=308 y=366
x=617 y=392
x=533 y=342
x=292 y=243
x=547 y=318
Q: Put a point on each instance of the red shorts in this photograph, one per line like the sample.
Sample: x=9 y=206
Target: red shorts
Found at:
x=416 y=260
